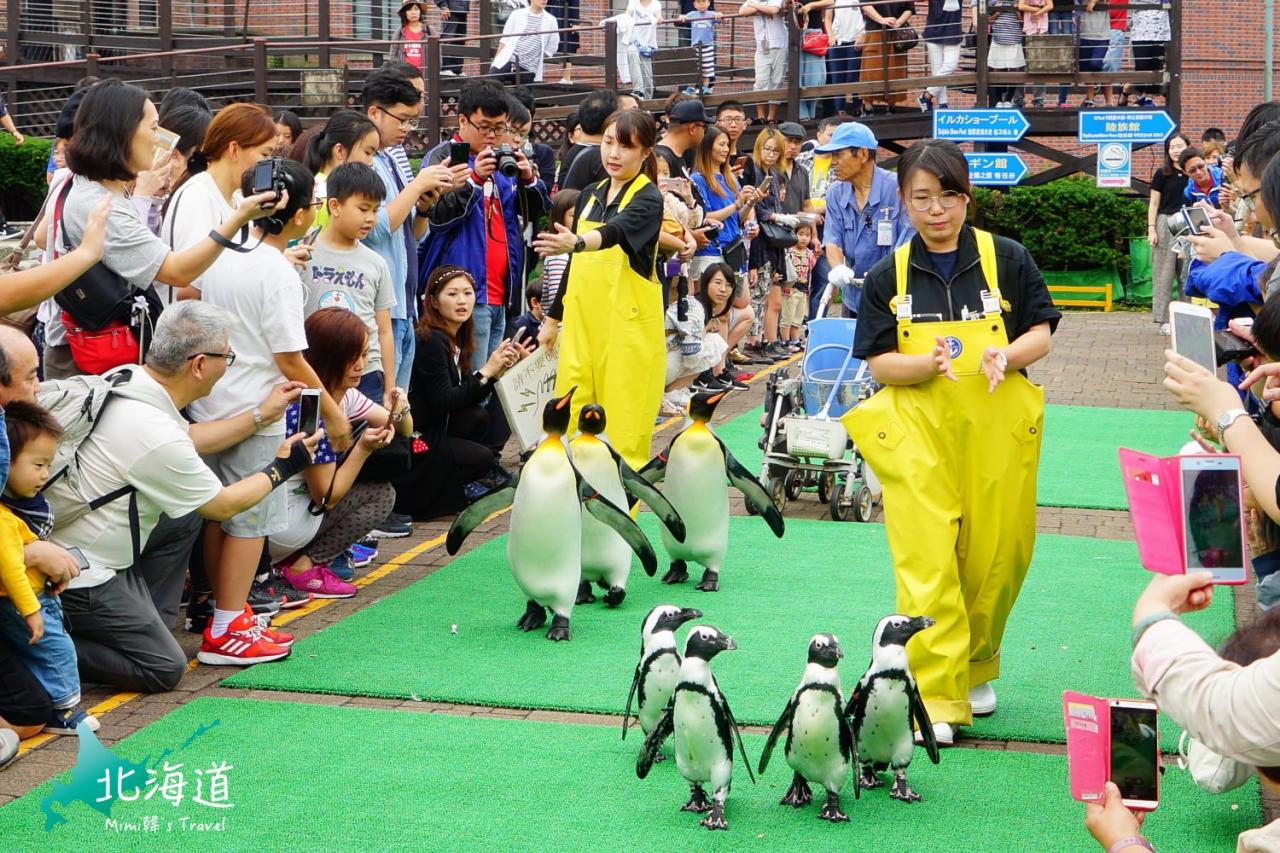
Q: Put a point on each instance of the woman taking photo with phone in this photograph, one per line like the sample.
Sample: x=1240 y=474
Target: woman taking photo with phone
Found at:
x=613 y=348
x=948 y=323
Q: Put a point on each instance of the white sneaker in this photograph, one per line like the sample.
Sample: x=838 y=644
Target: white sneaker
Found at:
x=943 y=733
x=9 y=744
x=983 y=700
x=1164 y=329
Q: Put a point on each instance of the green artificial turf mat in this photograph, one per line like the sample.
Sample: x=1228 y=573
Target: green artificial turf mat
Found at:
x=1078 y=462
x=353 y=778
x=1070 y=629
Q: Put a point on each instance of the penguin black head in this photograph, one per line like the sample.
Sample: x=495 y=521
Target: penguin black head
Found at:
x=703 y=404
x=706 y=642
x=555 y=417
x=896 y=629
x=824 y=650
x=591 y=419
x=668 y=617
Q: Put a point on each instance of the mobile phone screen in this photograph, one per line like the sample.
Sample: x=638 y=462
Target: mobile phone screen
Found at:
x=309 y=416
x=1134 y=752
x=1197 y=219
x=1213 y=517
x=459 y=152
x=81 y=560
x=1193 y=338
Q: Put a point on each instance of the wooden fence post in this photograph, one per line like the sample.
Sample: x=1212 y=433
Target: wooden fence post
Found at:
x=260 y=70
x=326 y=33
x=432 y=65
x=611 y=56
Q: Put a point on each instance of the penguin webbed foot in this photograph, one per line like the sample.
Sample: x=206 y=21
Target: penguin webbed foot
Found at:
x=715 y=820
x=902 y=791
x=678 y=573
x=559 y=628
x=798 y=795
x=584 y=594
x=535 y=616
x=698 y=801
x=869 y=778
x=710 y=581
x=831 y=811
x=614 y=596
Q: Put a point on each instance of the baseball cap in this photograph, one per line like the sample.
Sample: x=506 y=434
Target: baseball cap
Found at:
x=688 y=112
x=851 y=134
x=791 y=130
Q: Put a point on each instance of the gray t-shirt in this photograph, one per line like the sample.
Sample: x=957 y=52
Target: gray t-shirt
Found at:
x=358 y=280
x=1095 y=26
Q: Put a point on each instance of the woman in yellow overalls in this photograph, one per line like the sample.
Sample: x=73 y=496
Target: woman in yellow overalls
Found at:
x=612 y=346
x=947 y=323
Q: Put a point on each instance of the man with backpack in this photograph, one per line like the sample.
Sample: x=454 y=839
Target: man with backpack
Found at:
x=128 y=456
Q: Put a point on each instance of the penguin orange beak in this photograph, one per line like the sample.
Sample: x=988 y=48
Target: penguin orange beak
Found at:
x=715 y=401
x=564 y=401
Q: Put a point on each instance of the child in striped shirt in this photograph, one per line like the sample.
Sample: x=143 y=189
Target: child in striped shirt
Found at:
x=702 y=35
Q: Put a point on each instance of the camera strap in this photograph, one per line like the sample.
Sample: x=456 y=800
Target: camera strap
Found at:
x=240 y=247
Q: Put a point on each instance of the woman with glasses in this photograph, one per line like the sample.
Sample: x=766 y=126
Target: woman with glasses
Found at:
x=949 y=322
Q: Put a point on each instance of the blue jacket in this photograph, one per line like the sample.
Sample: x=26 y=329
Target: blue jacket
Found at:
x=1234 y=281
x=457 y=234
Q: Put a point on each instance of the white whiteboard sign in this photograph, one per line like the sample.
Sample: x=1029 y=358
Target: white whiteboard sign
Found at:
x=524 y=391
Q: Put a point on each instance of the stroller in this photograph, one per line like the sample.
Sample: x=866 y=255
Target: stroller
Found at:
x=805 y=445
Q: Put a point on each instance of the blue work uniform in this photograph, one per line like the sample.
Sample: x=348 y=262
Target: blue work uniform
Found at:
x=855 y=231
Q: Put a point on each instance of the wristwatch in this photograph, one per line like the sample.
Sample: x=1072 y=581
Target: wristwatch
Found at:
x=1229 y=417
x=257 y=417
x=579 y=245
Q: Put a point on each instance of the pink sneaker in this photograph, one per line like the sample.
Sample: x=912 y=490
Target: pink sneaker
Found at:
x=320 y=582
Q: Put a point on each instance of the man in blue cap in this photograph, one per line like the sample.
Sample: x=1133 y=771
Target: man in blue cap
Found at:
x=866 y=219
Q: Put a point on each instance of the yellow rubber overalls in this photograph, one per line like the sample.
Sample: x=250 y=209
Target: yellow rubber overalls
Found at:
x=958 y=467
x=611 y=342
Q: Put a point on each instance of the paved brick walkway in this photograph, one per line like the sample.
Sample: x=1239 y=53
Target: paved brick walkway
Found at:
x=1098 y=359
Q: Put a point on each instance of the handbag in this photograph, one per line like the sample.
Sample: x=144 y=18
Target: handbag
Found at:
x=814 y=42
x=903 y=39
x=778 y=236
x=100 y=296
x=734 y=253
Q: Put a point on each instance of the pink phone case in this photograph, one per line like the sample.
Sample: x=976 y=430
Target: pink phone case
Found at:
x=1088 y=723
x=1152 y=484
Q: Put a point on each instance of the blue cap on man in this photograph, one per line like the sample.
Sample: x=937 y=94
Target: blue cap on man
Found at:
x=851 y=134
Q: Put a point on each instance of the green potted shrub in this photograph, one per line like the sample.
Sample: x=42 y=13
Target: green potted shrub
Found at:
x=22 y=176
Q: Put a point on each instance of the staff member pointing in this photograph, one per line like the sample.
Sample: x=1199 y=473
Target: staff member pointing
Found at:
x=948 y=322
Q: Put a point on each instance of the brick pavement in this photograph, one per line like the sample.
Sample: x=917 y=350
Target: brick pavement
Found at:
x=1098 y=359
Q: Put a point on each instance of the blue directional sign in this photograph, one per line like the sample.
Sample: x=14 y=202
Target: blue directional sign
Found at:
x=996 y=170
x=1125 y=126
x=980 y=125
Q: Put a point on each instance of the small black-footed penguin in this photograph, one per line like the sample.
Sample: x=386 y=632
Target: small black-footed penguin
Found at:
x=606 y=556
x=544 y=543
x=883 y=706
x=820 y=746
x=704 y=728
x=659 y=666
x=698 y=469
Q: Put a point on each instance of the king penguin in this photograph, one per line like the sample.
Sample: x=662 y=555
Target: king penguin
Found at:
x=698 y=469
x=820 y=746
x=659 y=666
x=883 y=706
x=544 y=544
x=704 y=728
x=606 y=556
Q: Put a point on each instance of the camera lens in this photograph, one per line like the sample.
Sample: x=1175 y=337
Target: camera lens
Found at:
x=507 y=163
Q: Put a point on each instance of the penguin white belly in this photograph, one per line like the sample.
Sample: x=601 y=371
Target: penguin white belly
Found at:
x=698 y=488
x=700 y=756
x=886 y=736
x=605 y=555
x=659 y=684
x=544 y=544
x=814 y=750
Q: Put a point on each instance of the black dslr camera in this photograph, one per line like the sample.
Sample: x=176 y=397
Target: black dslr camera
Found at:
x=508 y=165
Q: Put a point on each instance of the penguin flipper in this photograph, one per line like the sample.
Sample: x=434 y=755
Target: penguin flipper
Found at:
x=921 y=716
x=742 y=750
x=641 y=488
x=604 y=511
x=631 y=694
x=653 y=743
x=778 y=728
x=754 y=493
x=473 y=516
x=656 y=470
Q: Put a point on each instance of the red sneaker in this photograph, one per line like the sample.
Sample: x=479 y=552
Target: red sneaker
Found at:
x=271 y=635
x=243 y=644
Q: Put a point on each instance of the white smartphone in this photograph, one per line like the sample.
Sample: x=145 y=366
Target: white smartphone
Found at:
x=1135 y=753
x=1196 y=219
x=309 y=414
x=1213 y=516
x=1191 y=327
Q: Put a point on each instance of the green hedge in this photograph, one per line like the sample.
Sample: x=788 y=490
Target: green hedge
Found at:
x=22 y=176
x=1068 y=224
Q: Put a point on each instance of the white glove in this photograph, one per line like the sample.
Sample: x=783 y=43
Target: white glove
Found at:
x=840 y=276
x=788 y=219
